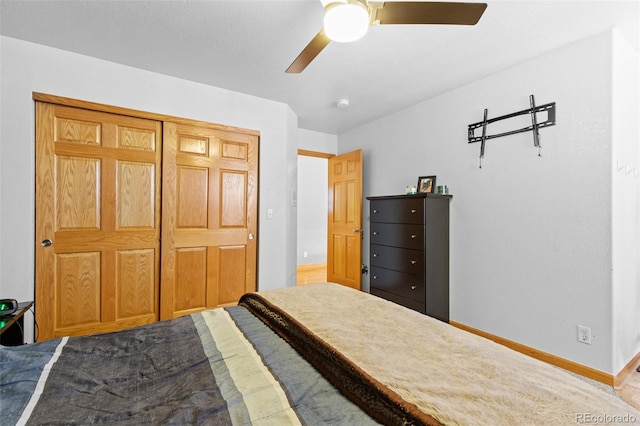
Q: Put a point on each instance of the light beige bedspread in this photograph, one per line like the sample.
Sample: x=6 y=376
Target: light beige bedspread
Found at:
x=455 y=376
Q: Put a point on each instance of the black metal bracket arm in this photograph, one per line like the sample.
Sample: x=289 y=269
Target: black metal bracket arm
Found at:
x=549 y=108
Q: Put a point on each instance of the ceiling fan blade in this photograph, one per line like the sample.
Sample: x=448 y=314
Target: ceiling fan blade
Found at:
x=315 y=46
x=427 y=13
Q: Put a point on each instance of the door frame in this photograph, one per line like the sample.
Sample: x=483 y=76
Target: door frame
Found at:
x=329 y=215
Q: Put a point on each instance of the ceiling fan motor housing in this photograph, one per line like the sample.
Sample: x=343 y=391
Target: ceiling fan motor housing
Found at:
x=346 y=21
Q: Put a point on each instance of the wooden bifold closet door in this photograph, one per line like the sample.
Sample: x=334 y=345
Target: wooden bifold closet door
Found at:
x=97 y=220
x=208 y=217
x=106 y=257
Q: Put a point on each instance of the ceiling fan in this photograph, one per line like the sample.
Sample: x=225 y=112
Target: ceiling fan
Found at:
x=348 y=20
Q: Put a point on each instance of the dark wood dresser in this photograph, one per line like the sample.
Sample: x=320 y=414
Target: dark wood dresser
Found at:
x=409 y=251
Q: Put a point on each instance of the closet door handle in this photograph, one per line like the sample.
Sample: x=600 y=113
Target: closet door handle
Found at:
x=413 y=211
x=46 y=243
x=413 y=236
x=250 y=236
x=413 y=262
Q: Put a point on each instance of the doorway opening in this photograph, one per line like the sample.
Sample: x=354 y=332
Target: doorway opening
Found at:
x=312 y=217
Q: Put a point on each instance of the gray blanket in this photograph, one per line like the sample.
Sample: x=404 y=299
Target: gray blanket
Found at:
x=218 y=367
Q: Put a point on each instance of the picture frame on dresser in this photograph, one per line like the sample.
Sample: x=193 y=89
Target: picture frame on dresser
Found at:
x=426 y=184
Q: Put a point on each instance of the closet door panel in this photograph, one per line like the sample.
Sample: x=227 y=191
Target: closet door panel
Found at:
x=231 y=273
x=191 y=283
x=97 y=220
x=135 y=283
x=78 y=289
x=233 y=196
x=78 y=126
x=209 y=206
x=193 y=197
x=78 y=193
x=136 y=195
x=136 y=138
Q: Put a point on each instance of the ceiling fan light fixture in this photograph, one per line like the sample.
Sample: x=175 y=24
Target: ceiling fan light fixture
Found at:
x=345 y=22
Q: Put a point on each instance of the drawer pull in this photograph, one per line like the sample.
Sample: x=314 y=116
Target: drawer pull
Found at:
x=375 y=277
x=375 y=232
x=413 y=236
x=375 y=254
x=413 y=262
x=375 y=211
x=413 y=287
x=413 y=210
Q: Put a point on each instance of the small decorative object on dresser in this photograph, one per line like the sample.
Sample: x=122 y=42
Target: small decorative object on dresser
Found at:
x=426 y=184
x=409 y=251
x=443 y=189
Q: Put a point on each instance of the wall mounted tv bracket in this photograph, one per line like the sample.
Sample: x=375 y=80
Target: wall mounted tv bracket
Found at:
x=549 y=108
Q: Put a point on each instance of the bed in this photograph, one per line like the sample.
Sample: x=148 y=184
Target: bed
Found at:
x=309 y=355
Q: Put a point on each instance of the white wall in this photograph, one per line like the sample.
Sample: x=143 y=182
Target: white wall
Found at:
x=625 y=199
x=27 y=67
x=531 y=240
x=313 y=196
x=317 y=141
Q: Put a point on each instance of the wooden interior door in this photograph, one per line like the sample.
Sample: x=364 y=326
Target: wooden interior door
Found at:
x=344 y=241
x=209 y=217
x=97 y=220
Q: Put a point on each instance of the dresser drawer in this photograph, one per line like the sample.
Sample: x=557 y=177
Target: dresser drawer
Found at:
x=402 y=284
x=403 y=210
x=406 y=302
x=398 y=235
x=398 y=259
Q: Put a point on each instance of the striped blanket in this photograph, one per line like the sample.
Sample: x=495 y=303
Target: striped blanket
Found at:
x=219 y=367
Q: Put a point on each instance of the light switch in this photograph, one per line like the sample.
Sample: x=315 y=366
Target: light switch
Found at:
x=269 y=213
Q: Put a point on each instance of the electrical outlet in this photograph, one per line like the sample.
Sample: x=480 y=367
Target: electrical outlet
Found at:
x=584 y=334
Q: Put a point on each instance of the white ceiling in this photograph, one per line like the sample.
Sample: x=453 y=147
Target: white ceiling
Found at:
x=245 y=46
